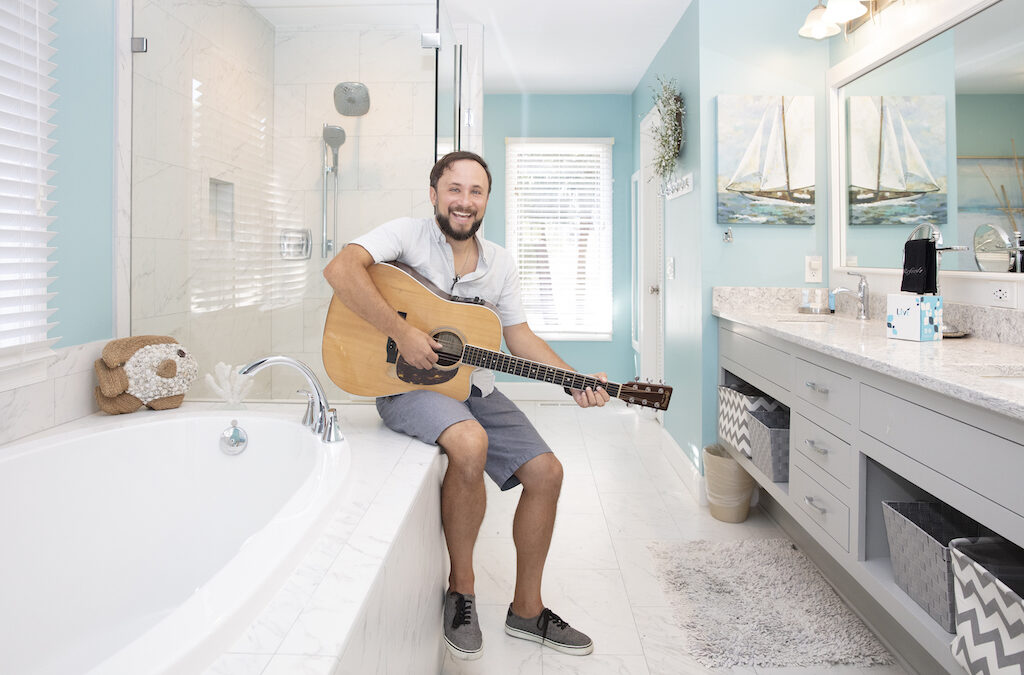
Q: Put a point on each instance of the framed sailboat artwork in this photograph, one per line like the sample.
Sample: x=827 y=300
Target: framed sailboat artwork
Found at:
x=897 y=160
x=766 y=160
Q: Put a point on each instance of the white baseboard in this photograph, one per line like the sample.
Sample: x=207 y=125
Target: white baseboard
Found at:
x=684 y=468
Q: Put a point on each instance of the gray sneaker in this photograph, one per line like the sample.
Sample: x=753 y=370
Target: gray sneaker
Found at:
x=549 y=629
x=461 y=627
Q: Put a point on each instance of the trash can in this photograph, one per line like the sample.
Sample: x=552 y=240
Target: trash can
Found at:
x=729 y=486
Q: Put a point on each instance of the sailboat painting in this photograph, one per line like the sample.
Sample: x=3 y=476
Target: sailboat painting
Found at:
x=766 y=159
x=897 y=155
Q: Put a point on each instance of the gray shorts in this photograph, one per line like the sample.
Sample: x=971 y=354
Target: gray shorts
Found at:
x=511 y=438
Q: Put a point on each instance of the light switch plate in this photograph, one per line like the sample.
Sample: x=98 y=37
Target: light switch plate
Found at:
x=812 y=269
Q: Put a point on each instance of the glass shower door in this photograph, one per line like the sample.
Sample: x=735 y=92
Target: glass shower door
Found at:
x=228 y=168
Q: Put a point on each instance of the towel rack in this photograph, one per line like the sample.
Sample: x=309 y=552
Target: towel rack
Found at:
x=929 y=231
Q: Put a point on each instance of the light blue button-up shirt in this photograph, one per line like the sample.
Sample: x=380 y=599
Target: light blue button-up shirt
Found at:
x=419 y=243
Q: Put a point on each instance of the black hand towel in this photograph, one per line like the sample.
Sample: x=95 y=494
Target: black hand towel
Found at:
x=919 y=266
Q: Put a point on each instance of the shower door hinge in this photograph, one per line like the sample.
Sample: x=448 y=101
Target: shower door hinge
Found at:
x=139 y=45
x=430 y=40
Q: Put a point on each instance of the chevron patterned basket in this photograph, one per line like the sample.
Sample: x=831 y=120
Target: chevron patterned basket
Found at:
x=989 y=584
x=919 y=534
x=733 y=401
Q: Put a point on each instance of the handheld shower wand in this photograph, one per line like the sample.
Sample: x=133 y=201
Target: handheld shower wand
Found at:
x=334 y=136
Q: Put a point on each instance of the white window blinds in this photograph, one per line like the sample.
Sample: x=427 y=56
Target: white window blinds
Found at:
x=25 y=111
x=559 y=228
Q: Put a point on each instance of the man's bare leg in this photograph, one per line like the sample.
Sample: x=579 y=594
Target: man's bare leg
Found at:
x=532 y=527
x=463 y=499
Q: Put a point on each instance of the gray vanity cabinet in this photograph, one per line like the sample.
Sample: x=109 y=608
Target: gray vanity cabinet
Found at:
x=858 y=437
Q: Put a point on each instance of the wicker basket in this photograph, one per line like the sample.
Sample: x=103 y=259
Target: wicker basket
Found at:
x=919 y=534
x=769 y=442
x=989 y=575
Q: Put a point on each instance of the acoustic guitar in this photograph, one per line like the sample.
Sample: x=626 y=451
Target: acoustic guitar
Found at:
x=363 y=361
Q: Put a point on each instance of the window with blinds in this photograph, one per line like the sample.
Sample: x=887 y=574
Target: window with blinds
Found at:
x=26 y=103
x=559 y=227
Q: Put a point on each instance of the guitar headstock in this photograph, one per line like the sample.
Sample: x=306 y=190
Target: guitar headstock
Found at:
x=648 y=394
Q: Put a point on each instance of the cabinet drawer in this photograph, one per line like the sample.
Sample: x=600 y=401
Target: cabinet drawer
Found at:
x=819 y=504
x=989 y=465
x=825 y=389
x=768 y=362
x=823 y=448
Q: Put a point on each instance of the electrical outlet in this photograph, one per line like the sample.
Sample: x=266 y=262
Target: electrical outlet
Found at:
x=812 y=269
x=1002 y=294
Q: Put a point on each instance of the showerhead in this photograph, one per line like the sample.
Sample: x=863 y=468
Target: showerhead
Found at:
x=334 y=136
x=351 y=99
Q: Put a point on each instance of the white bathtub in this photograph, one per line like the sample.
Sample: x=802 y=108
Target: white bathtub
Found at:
x=133 y=545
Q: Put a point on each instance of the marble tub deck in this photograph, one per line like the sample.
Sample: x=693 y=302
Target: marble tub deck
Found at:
x=321 y=609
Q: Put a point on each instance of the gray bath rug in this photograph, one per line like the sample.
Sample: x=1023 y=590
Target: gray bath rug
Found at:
x=760 y=602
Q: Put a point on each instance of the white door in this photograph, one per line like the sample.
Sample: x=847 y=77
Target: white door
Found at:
x=649 y=211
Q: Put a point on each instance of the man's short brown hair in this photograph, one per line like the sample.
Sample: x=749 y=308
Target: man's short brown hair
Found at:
x=445 y=163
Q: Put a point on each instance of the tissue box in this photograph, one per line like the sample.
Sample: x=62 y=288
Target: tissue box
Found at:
x=914 y=317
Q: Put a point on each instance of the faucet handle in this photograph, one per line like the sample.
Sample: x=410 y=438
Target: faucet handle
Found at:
x=310 y=416
x=332 y=434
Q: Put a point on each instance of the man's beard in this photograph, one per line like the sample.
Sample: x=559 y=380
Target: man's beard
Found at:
x=446 y=226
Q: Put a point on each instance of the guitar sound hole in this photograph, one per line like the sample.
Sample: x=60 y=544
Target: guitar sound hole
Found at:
x=452 y=351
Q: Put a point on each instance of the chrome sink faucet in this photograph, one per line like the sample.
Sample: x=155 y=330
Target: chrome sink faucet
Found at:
x=862 y=295
x=324 y=419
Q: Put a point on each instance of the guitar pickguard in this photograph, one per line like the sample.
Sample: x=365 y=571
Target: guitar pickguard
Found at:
x=412 y=375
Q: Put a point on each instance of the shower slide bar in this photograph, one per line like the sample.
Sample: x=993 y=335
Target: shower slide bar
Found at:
x=334 y=136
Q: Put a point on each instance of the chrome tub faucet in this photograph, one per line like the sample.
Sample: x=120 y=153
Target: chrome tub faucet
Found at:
x=320 y=417
x=861 y=292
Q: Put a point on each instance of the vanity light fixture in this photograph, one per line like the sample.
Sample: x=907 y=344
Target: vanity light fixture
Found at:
x=841 y=11
x=815 y=26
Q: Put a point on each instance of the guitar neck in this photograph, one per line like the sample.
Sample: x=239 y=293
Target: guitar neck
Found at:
x=514 y=365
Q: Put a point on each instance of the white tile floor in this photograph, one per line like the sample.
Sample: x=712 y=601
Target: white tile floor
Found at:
x=619 y=495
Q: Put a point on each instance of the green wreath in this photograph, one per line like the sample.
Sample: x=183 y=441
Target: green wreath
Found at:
x=668 y=134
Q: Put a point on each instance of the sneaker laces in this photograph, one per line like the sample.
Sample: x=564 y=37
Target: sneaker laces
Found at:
x=546 y=617
x=463 y=611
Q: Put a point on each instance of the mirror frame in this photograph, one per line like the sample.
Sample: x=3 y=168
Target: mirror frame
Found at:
x=898 y=30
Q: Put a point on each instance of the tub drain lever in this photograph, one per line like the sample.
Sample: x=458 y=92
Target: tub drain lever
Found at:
x=233 y=439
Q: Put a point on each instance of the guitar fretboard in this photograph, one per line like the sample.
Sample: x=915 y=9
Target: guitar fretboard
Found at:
x=514 y=365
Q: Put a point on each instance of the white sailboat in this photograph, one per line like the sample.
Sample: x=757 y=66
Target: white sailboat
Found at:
x=885 y=162
x=778 y=164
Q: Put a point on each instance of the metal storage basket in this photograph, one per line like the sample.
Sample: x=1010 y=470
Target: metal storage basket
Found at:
x=919 y=534
x=769 y=442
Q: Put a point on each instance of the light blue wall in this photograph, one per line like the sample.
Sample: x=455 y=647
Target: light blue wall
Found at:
x=84 y=182
x=762 y=55
x=586 y=116
x=679 y=60
x=986 y=123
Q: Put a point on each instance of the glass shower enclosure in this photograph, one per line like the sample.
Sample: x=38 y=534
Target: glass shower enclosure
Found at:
x=236 y=122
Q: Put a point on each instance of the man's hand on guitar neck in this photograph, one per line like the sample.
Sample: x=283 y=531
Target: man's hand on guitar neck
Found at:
x=586 y=398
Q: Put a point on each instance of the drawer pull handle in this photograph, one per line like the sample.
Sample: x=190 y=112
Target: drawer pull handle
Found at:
x=814 y=386
x=810 y=502
x=817 y=448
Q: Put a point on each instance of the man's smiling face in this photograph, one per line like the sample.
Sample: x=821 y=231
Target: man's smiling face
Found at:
x=460 y=199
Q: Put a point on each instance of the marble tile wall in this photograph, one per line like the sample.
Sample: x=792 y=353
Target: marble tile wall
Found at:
x=223 y=96
x=65 y=395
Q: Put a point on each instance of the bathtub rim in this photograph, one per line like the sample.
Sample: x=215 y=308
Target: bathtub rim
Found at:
x=190 y=638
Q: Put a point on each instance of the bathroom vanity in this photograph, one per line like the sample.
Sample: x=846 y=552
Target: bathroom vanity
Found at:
x=875 y=419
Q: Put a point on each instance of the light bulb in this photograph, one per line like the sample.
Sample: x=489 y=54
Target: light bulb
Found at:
x=841 y=11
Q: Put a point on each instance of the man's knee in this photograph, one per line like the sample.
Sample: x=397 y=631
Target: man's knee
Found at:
x=465 y=443
x=542 y=473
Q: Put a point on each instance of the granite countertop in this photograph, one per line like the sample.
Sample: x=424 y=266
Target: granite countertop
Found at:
x=987 y=374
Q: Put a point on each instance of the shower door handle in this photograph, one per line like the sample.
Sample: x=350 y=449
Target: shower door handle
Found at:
x=327 y=245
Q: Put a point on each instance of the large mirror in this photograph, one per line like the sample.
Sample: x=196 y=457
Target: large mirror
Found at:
x=929 y=140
